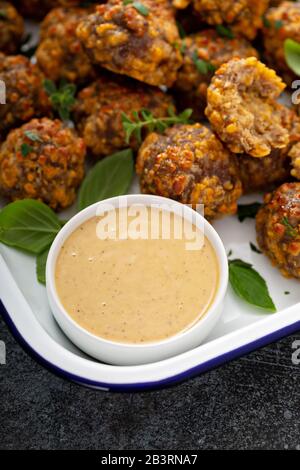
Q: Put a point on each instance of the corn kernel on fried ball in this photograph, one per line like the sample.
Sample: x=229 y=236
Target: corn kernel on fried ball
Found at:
x=25 y=95
x=42 y=160
x=37 y=9
x=278 y=228
x=243 y=16
x=281 y=23
x=242 y=107
x=99 y=108
x=136 y=41
x=203 y=53
x=11 y=28
x=188 y=163
x=60 y=54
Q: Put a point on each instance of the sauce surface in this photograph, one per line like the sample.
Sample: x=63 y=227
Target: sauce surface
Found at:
x=135 y=291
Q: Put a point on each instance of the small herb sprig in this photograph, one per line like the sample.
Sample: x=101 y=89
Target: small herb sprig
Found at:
x=203 y=66
x=139 y=7
x=289 y=229
x=224 y=31
x=246 y=211
x=145 y=119
x=62 y=97
x=26 y=148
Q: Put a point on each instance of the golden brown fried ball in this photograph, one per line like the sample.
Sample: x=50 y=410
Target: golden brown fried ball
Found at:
x=203 y=53
x=136 y=41
x=188 y=163
x=11 y=28
x=242 y=107
x=278 y=228
x=99 y=108
x=25 y=95
x=37 y=9
x=243 y=16
x=42 y=160
x=60 y=54
x=281 y=23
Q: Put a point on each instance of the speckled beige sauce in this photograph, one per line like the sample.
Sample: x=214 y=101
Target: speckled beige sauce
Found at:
x=135 y=291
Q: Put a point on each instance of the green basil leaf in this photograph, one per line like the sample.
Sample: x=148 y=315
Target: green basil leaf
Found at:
x=110 y=177
x=249 y=285
x=248 y=211
x=28 y=225
x=41 y=262
x=292 y=55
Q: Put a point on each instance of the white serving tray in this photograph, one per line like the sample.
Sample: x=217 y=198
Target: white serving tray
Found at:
x=242 y=328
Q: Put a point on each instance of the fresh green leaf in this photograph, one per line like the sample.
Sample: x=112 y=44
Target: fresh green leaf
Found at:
x=255 y=249
x=290 y=231
x=249 y=285
x=203 y=66
x=248 y=211
x=292 y=55
x=32 y=136
x=49 y=86
x=62 y=98
x=278 y=24
x=266 y=22
x=110 y=177
x=41 y=261
x=181 y=31
x=26 y=149
x=140 y=7
x=28 y=225
x=224 y=31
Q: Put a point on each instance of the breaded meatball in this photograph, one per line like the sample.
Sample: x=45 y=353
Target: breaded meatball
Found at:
x=39 y=8
x=25 y=95
x=99 y=108
x=11 y=28
x=42 y=160
x=281 y=23
x=134 y=39
x=278 y=228
x=203 y=53
x=188 y=163
x=243 y=16
x=60 y=53
x=242 y=107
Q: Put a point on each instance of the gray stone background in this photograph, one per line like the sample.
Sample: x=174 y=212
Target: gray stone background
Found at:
x=250 y=403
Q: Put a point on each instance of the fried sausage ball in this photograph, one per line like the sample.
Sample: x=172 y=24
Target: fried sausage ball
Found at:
x=11 y=28
x=99 y=108
x=203 y=53
x=25 y=95
x=243 y=16
x=278 y=228
x=281 y=23
x=42 y=160
x=138 y=41
x=38 y=9
x=242 y=107
x=188 y=163
x=60 y=54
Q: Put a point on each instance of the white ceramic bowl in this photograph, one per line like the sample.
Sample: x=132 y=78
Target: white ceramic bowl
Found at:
x=134 y=354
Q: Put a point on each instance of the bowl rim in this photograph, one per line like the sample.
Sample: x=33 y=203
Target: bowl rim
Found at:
x=146 y=200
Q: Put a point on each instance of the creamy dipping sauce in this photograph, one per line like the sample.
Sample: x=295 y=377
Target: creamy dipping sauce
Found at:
x=135 y=291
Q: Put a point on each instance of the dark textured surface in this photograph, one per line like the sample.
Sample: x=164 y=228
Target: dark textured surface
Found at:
x=248 y=404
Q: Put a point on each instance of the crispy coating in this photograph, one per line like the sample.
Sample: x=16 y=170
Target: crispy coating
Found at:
x=11 y=28
x=281 y=23
x=294 y=147
x=242 y=107
x=188 y=163
x=191 y=84
x=60 y=53
x=99 y=108
x=25 y=96
x=141 y=45
x=51 y=170
x=37 y=9
x=278 y=228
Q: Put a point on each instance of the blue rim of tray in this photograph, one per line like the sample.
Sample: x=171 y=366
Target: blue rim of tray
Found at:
x=143 y=386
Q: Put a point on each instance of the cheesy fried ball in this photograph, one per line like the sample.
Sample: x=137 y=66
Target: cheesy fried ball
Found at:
x=60 y=54
x=11 y=28
x=281 y=23
x=99 y=108
x=42 y=160
x=278 y=228
x=203 y=53
x=134 y=39
x=242 y=107
x=25 y=95
x=188 y=163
